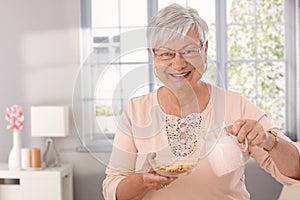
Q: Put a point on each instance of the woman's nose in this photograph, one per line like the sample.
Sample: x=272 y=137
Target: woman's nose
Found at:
x=178 y=62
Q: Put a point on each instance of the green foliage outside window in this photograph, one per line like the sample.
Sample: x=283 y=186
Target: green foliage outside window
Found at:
x=256 y=65
x=106 y=110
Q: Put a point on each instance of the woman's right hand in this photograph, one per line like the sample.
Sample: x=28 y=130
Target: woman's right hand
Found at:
x=136 y=186
x=155 y=181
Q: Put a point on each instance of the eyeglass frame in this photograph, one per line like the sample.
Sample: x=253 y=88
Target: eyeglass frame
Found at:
x=179 y=52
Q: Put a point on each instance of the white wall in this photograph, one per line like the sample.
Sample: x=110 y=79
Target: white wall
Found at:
x=39 y=62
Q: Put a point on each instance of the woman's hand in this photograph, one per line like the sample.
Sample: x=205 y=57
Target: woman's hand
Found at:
x=250 y=129
x=155 y=181
x=137 y=185
x=152 y=180
x=286 y=156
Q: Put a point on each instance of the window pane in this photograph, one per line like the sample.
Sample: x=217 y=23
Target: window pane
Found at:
x=240 y=12
x=104 y=32
x=270 y=11
x=115 y=86
x=210 y=76
x=206 y=9
x=239 y=74
x=212 y=42
x=275 y=110
x=133 y=13
x=270 y=41
x=241 y=44
x=107 y=82
x=107 y=114
x=271 y=81
x=135 y=80
x=138 y=55
x=105 y=15
x=133 y=45
x=122 y=81
x=164 y=3
x=106 y=45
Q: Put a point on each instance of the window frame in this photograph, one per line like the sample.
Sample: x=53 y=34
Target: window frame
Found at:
x=291 y=119
x=92 y=142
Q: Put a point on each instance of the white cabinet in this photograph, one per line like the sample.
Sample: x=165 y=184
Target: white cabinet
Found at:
x=46 y=184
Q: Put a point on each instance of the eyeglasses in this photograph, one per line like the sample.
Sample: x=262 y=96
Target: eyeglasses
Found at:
x=168 y=54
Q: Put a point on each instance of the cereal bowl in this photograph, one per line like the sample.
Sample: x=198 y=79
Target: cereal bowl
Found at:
x=173 y=168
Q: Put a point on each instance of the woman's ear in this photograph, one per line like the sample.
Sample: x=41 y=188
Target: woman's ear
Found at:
x=205 y=50
x=150 y=51
x=206 y=46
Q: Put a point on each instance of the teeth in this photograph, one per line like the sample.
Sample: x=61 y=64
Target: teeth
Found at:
x=180 y=75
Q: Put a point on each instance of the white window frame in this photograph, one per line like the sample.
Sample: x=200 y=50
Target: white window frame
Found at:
x=89 y=138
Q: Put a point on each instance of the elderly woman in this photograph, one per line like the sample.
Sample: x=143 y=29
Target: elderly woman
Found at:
x=170 y=120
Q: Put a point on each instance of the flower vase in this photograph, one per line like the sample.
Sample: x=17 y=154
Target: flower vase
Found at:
x=14 y=158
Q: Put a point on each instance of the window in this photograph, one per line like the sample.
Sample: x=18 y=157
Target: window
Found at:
x=251 y=50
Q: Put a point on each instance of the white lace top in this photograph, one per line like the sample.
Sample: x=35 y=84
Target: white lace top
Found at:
x=182 y=133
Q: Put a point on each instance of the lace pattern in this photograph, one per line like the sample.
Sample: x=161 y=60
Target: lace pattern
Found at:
x=182 y=133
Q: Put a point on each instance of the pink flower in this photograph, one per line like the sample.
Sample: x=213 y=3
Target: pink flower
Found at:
x=14 y=115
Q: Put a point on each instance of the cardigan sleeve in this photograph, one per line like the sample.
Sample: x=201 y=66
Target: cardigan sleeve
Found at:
x=123 y=157
x=250 y=111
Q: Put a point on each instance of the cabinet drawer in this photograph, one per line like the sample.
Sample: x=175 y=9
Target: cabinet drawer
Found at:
x=10 y=189
x=48 y=184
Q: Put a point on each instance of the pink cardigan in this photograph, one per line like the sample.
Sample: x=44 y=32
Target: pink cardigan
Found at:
x=141 y=131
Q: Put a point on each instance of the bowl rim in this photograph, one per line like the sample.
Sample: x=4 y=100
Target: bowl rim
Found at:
x=164 y=162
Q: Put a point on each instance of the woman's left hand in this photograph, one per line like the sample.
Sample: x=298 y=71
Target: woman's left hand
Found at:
x=250 y=130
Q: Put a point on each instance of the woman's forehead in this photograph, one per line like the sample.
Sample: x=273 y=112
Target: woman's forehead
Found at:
x=183 y=41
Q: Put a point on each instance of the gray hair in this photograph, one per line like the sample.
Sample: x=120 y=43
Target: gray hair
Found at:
x=173 y=21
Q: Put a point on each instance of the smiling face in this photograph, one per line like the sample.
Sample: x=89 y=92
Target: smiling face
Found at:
x=180 y=62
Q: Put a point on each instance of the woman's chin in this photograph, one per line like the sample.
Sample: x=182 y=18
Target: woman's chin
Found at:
x=182 y=86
